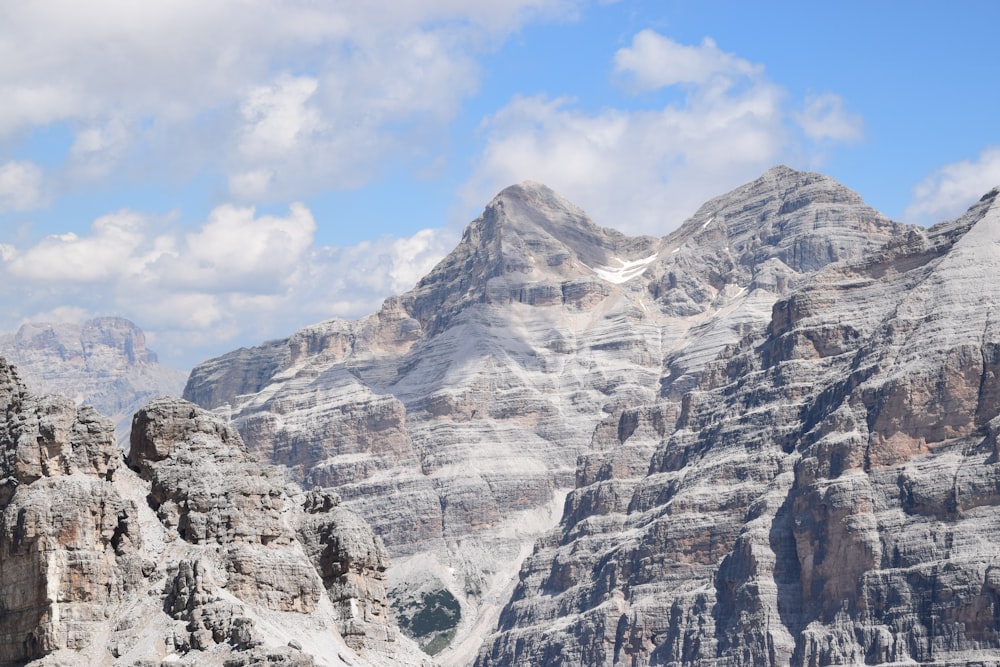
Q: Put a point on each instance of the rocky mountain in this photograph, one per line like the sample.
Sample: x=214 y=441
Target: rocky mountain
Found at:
x=544 y=356
x=187 y=552
x=826 y=493
x=103 y=362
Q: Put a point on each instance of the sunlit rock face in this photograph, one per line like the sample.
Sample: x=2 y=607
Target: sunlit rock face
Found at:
x=187 y=551
x=103 y=362
x=544 y=353
x=826 y=493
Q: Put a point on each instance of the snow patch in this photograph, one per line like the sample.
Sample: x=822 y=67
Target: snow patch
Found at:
x=677 y=249
x=627 y=271
x=708 y=222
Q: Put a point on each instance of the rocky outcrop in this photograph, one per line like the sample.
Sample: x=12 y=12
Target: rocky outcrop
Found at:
x=352 y=564
x=70 y=547
x=452 y=419
x=103 y=362
x=825 y=493
x=203 y=555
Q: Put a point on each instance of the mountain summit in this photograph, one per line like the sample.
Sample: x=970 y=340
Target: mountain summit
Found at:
x=824 y=494
x=527 y=237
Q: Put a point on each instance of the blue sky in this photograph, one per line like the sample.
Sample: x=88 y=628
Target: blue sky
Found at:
x=222 y=173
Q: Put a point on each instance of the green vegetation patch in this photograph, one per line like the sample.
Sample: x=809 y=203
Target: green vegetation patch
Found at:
x=431 y=620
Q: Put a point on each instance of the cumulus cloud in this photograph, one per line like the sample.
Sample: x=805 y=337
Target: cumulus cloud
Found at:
x=232 y=251
x=281 y=97
x=277 y=116
x=654 y=61
x=237 y=252
x=83 y=259
x=825 y=117
x=646 y=170
x=20 y=186
x=237 y=278
x=947 y=192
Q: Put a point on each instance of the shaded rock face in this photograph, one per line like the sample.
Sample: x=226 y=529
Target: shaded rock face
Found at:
x=825 y=494
x=452 y=419
x=69 y=542
x=352 y=564
x=276 y=547
x=101 y=565
x=103 y=363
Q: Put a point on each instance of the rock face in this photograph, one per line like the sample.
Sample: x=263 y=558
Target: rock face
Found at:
x=453 y=419
x=103 y=363
x=826 y=493
x=69 y=543
x=187 y=551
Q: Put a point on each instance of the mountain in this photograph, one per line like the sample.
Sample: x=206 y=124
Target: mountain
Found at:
x=103 y=362
x=826 y=493
x=544 y=355
x=187 y=552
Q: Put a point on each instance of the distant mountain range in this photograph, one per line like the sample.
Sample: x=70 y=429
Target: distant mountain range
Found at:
x=103 y=362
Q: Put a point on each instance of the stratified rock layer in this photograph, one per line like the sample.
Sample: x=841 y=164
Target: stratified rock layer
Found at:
x=453 y=418
x=825 y=494
x=208 y=557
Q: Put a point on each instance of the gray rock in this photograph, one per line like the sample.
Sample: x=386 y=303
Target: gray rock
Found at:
x=825 y=494
x=99 y=565
x=103 y=362
x=452 y=419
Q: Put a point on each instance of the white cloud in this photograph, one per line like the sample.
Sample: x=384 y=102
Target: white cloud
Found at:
x=236 y=252
x=646 y=170
x=410 y=259
x=238 y=277
x=277 y=116
x=641 y=172
x=68 y=257
x=312 y=94
x=251 y=185
x=70 y=314
x=950 y=190
x=98 y=148
x=20 y=186
x=824 y=117
x=654 y=61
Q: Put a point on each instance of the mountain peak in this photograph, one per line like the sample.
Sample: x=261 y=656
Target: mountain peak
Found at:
x=527 y=234
x=807 y=219
x=529 y=228
x=103 y=362
x=526 y=187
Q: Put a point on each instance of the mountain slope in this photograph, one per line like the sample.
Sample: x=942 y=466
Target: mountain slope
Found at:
x=453 y=418
x=826 y=493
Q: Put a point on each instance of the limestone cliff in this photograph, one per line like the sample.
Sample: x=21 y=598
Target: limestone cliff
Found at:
x=188 y=552
x=453 y=419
